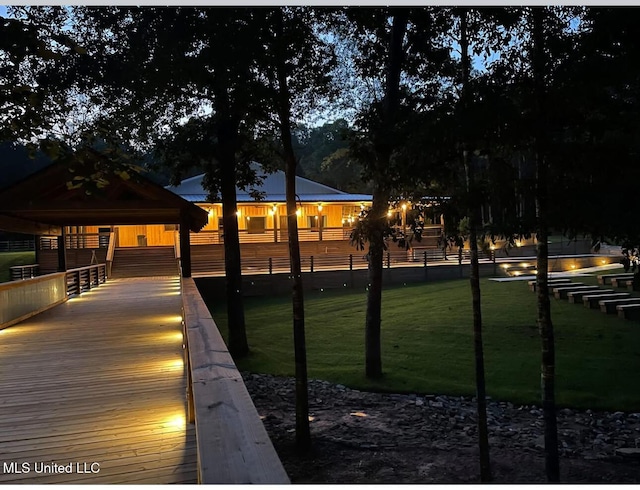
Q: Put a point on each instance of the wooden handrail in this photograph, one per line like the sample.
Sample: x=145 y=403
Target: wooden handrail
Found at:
x=111 y=249
x=233 y=445
x=20 y=300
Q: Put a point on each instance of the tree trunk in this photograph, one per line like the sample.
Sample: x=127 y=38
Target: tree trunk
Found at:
x=303 y=434
x=545 y=326
x=373 y=348
x=474 y=277
x=238 y=345
x=227 y=134
x=384 y=142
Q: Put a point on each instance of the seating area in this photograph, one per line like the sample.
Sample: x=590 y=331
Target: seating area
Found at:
x=617 y=299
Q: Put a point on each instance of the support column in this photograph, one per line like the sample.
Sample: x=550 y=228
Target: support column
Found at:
x=37 y=248
x=62 y=250
x=185 y=247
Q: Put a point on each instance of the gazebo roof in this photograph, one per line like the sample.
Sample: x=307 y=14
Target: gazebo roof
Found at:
x=44 y=202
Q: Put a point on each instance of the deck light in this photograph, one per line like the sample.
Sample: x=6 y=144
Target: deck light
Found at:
x=298 y=212
x=319 y=208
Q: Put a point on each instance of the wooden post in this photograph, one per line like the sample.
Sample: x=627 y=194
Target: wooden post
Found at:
x=38 y=247
x=62 y=252
x=185 y=247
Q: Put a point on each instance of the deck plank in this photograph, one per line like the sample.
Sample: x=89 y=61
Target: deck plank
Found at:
x=99 y=379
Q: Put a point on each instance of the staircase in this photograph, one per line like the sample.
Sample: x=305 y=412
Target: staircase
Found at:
x=144 y=262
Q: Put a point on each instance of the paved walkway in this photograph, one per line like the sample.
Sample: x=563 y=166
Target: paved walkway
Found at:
x=93 y=391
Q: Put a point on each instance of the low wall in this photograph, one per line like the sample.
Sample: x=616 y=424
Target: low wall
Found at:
x=280 y=283
x=233 y=445
x=22 y=299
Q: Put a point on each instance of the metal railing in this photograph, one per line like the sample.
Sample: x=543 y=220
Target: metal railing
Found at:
x=313 y=263
x=78 y=240
x=84 y=278
x=20 y=272
x=17 y=246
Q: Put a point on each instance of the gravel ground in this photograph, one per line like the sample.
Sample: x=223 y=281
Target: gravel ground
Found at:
x=361 y=437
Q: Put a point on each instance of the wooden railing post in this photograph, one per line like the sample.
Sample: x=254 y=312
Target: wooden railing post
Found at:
x=311 y=263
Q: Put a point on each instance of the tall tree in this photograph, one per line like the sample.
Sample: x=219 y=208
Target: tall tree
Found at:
x=474 y=277
x=171 y=80
x=545 y=325
x=296 y=69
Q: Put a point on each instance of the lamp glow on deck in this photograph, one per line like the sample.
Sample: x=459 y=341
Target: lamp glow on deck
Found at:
x=358 y=414
x=573 y=266
x=525 y=264
x=173 y=365
x=516 y=273
x=603 y=262
x=175 y=422
x=505 y=266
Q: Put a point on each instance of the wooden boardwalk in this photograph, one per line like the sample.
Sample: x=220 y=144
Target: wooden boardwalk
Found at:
x=96 y=386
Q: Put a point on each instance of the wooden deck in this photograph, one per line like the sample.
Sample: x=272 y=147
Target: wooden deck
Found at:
x=98 y=383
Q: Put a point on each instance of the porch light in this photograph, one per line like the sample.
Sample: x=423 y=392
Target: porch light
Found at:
x=404 y=206
x=238 y=213
x=319 y=208
x=389 y=214
x=210 y=212
x=298 y=212
x=361 y=207
x=492 y=247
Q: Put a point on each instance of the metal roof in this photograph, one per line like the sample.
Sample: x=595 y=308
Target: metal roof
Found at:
x=273 y=188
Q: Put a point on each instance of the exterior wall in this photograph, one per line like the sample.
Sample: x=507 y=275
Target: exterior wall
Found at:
x=155 y=235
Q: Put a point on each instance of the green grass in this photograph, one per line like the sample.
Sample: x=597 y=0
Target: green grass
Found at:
x=427 y=343
x=9 y=259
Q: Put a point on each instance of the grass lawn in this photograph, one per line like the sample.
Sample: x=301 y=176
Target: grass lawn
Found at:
x=427 y=343
x=9 y=259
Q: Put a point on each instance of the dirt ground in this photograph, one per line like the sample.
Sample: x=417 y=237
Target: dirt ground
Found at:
x=363 y=437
